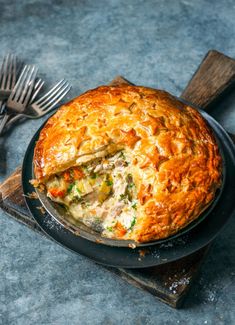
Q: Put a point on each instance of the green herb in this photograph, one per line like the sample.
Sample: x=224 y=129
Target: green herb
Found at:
x=93 y=175
x=85 y=168
x=129 y=194
x=122 y=155
x=70 y=187
x=123 y=197
x=133 y=223
x=129 y=180
x=79 y=192
x=109 y=182
x=134 y=206
x=97 y=219
x=109 y=228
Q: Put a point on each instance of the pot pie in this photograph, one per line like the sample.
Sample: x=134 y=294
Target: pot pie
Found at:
x=134 y=162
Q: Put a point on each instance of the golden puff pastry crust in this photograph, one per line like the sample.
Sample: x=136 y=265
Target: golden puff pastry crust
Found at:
x=175 y=161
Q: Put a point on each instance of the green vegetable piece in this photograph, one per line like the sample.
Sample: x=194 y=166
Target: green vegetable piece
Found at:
x=122 y=155
x=109 y=183
x=85 y=168
x=78 y=192
x=134 y=206
x=123 y=197
x=97 y=219
x=133 y=223
x=93 y=175
x=70 y=187
x=110 y=229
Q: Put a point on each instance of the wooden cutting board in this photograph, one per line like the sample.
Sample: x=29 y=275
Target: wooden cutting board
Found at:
x=169 y=282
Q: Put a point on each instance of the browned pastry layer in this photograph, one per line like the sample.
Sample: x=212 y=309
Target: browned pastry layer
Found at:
x=172 y=154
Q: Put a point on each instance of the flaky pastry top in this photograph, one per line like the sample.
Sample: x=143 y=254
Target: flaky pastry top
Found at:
x=176 y=164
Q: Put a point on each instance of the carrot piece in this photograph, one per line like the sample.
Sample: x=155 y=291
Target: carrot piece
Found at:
x=120 y=230
x=56 y=192
x=67 y=176
x=78 y=173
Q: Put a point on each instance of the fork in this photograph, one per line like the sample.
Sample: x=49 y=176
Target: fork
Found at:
x=7 y=78
x=15 y=117
x=21 y=94
x=44 y=104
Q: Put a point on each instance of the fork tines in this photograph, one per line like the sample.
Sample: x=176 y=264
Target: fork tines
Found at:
x=53 y=96
x=8 y=72
x=25 y=85
x=37 y=88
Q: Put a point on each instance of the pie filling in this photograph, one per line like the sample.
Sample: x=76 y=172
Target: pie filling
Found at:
x=101 y=194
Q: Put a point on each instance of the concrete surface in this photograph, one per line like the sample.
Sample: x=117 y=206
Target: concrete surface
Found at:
x=154 y=43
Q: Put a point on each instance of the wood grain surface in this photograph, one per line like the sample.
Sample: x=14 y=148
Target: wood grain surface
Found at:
x=169 y=282
x=215 y=75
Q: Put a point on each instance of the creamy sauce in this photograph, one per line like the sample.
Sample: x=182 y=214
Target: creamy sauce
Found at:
x=104 y=198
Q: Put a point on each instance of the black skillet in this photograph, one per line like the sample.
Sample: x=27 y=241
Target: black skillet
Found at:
x=195 y=236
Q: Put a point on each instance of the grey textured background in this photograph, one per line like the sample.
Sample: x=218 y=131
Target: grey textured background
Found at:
x=154 y=43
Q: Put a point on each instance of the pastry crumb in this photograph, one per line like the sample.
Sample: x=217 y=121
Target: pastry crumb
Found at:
x=32 y=195
x=42 y=210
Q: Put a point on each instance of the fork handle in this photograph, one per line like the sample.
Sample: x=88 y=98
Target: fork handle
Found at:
x=2 y=107
x=4 y=121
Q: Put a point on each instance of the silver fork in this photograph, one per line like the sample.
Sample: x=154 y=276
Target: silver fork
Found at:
x=46 y=103
x=7 y=78
x=15 y=117
x=21 y=94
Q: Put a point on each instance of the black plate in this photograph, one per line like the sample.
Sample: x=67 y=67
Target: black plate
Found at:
x=157 y=254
